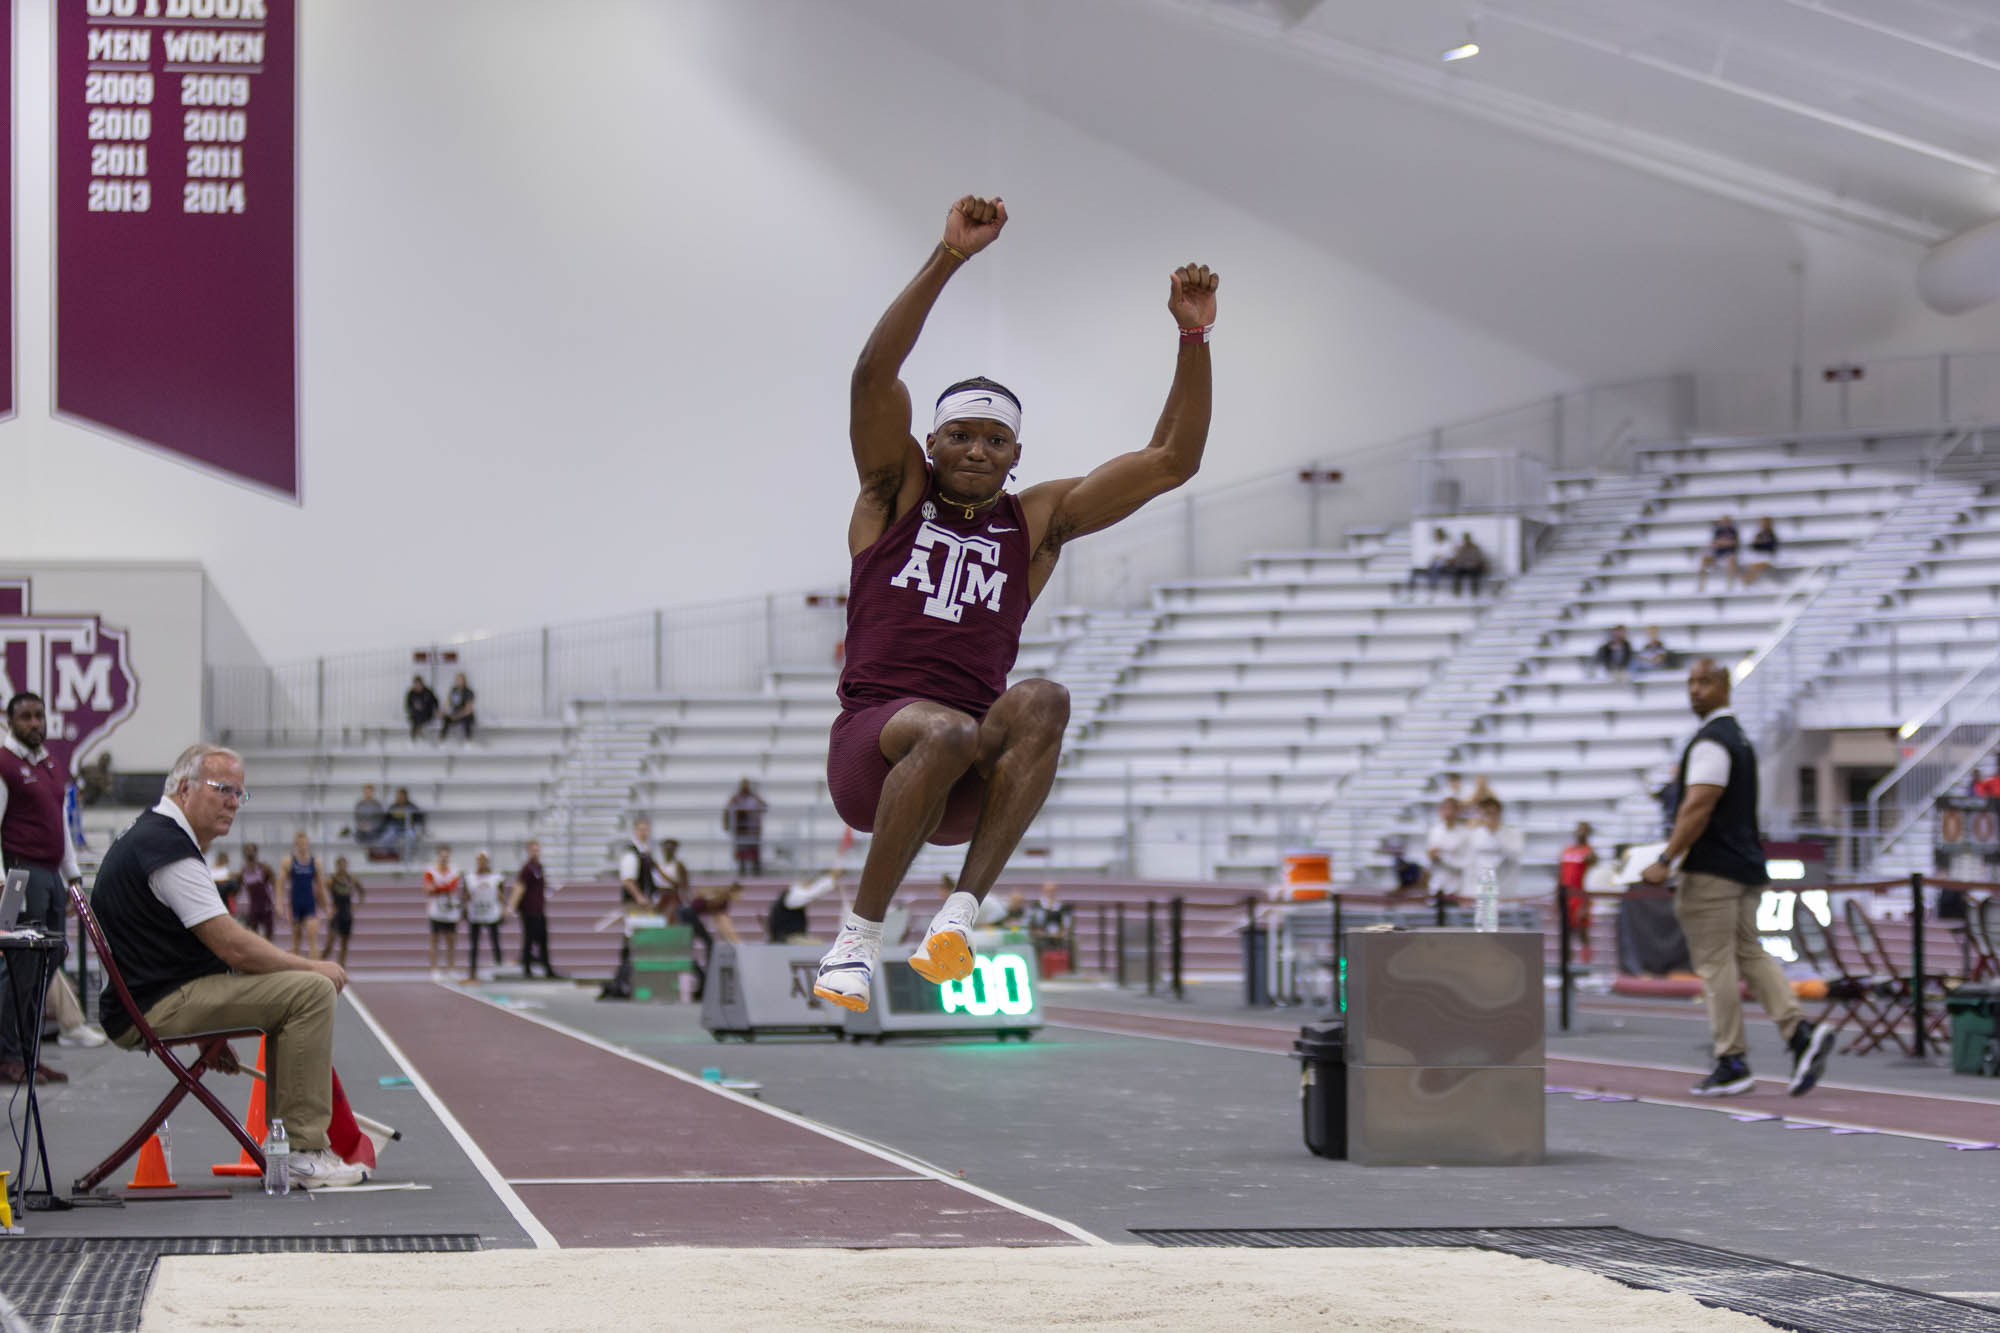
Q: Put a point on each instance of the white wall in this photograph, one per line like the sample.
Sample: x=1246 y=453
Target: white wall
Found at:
x=582 y=284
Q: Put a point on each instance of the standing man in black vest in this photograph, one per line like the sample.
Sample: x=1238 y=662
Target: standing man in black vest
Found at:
x=34 y=836
x=191 y=967
x=1719 y=852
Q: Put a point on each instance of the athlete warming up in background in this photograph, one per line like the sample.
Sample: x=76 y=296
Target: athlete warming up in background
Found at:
x=930 y=744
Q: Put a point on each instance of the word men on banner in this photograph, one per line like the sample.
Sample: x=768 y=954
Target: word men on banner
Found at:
x=175 y=290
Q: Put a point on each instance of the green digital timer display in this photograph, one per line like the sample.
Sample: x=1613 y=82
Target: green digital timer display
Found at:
x=1000 y=987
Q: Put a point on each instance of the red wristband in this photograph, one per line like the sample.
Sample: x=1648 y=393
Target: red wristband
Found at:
x=1196 y=335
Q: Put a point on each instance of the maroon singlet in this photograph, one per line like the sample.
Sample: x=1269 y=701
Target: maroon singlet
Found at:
x=935 y=607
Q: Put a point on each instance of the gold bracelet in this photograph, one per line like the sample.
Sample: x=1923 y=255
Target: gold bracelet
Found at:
x=953 y=251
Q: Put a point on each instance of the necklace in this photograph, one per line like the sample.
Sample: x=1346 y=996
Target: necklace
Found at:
x=969 y=510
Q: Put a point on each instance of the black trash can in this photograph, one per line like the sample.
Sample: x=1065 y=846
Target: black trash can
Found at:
x=1975 y=1030
x=1256 y=958
x=1322 y=1052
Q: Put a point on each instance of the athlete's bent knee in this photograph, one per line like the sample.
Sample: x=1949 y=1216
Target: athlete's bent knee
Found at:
x=948 y=738
x=1045 y=701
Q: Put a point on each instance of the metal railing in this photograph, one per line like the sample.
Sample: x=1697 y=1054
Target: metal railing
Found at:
x=1487 y=482
x=1942 y=747
x=1960 y=388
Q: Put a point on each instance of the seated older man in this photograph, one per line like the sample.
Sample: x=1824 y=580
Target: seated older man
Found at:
x=192 y=968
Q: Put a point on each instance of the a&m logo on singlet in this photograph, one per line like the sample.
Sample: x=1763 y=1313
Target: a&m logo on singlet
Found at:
x=969 y=573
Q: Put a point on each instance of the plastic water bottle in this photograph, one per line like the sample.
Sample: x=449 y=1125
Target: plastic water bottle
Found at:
x=1486 y=911
x=277 y=1160
x=166 y=1148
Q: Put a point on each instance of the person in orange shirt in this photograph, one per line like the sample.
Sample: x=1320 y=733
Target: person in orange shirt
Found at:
x=1577 y=859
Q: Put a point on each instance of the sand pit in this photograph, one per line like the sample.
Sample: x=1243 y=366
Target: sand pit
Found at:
x=1126 y=1287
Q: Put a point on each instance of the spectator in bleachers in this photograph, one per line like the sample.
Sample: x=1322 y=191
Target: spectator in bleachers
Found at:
x=1763 y=552
x=444 y=904
x=420 y=705
x=95 y=780
x=458 y=708
x=1468 y=566
x=1439 y=567
x=1446 y=846
x=1491 y=845
x=1614 y=655
x=259 y=909
x=1722 y=544
x=1572 y=897
x=371 y=821
x=1482 y=790
x=406 y=823
x=743 y=819
x=1652 y=654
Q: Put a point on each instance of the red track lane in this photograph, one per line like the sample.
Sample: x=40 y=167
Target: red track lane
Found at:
x=1902 y=1113
x=545 y=1106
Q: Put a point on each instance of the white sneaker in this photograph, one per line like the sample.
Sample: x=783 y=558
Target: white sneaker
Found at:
x=87 y=1034
x=324 y=1169
x=946 y=953
x=847 y=972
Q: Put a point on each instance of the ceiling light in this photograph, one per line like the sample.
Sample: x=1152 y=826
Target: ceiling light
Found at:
x=1464 y=51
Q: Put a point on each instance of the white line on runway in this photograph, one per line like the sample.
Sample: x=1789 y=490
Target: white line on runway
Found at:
x=498 y=1183
x=912 y=1178
x=873 y=1150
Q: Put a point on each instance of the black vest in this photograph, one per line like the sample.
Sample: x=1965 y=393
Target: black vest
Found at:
x=1731 y=845
x=648 y=890
x=155 y=953
x=785 y=922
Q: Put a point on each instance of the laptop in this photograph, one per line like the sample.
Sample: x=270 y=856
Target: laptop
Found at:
x=13 y=898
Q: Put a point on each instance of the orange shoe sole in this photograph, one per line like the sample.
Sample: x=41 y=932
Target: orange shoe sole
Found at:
x=855 y=1003
x=950 y=959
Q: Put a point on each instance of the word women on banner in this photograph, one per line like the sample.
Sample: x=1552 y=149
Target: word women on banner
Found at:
x=252 y=11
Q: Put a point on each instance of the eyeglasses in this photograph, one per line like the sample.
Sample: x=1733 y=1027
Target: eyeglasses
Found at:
x=227 y=792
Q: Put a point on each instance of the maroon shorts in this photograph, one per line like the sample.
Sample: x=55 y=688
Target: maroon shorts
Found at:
x=856 y=770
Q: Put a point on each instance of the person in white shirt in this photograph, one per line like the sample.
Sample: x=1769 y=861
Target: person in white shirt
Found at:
x=1447 y=845
x=1491 y=845
x=483 y=909
x=786 y=923
x=444 y=893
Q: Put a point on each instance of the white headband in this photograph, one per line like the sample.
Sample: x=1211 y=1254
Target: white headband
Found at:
x=978 y=405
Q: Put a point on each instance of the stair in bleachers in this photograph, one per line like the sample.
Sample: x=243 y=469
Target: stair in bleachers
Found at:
x=1380 y=796
x=1092 y=649
x=594 y=788
x=1789 y=666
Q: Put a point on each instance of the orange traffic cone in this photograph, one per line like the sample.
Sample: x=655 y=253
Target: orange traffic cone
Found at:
x=253 y=1121
x=153 y=1172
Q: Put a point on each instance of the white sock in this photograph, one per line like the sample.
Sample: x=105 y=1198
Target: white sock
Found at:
x=863 y=930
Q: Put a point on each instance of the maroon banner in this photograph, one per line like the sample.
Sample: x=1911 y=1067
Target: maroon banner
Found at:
x=175 y=300
x=7 y=208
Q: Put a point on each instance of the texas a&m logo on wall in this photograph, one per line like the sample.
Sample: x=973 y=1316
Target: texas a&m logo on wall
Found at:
x=76 y=662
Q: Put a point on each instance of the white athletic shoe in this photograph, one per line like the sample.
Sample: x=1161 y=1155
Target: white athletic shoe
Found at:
x=325 y=1169
x=847 y=972
x=946 y=953
x=85 y=1034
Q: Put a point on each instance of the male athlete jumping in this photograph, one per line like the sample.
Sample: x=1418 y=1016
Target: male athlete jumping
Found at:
x=930 y=744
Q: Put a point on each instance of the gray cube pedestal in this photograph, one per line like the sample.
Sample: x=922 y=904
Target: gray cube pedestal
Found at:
x=1445 y=1048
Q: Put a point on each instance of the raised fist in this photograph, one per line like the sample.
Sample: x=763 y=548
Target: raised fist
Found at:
x=1191 y=298
x=973 y=223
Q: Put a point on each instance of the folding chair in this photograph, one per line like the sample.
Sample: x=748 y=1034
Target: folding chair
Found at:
x=1982 y=929
x=1856 y=997
x=1899 y=990
x=187 y=1077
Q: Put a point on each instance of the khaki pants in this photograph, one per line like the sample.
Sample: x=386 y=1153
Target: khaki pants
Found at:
x=1719 y=918
x=295 y=1011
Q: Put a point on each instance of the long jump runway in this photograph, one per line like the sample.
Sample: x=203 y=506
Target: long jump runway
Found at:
x=593 y=1147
